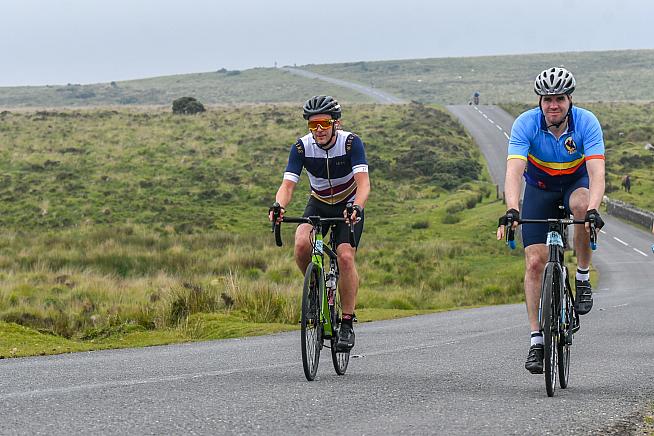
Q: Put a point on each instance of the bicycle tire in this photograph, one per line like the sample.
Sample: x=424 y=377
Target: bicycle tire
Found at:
x=311 y=327
x=339 y=359
x=550 y=325
x=566 y=338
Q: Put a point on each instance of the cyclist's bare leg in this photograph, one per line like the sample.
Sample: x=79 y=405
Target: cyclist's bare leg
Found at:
x=348 y=282
x=535 y=259
x=303 y=246
x=579 y=205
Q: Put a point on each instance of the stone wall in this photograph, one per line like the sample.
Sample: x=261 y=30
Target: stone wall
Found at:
x=630 y=213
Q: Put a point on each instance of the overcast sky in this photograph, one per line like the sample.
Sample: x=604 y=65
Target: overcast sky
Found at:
x=90 y=41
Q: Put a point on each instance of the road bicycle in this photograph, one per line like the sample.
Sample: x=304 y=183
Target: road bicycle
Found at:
x=321 y=303
x=558 y=319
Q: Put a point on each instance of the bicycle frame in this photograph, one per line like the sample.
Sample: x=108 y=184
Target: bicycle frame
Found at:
x=557 y=317
x=317 y=258
x=556 y=250
x=321 y=312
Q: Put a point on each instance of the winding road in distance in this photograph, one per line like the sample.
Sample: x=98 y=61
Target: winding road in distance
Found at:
x=452 y=373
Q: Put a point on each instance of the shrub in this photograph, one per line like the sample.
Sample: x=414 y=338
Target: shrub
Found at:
x=187 y=106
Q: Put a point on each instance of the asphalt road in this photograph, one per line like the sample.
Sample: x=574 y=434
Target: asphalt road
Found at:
x=451 y=373
x=377 y=94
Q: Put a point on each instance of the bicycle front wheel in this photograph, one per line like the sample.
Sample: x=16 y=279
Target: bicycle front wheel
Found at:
x=565 y=339
x=311 y=328
x=550 y=324
x=339 y=359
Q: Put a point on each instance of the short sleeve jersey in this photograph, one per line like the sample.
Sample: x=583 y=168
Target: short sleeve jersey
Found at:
x=554 y=163
x=331 y=171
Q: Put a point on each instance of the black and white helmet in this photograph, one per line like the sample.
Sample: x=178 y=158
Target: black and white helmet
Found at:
x=322 y=104
x=554 y=81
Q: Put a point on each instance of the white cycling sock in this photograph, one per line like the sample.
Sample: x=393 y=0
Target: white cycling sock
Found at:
x=583 y=274
x=536 y=338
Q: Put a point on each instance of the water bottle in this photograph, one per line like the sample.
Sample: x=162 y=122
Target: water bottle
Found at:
x=330 y=280
x=330 y=284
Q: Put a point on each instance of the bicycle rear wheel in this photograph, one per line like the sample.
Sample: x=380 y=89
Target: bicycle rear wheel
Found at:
x=311 y=327
x=550 y=324
x=565 y=340
x=339 y=359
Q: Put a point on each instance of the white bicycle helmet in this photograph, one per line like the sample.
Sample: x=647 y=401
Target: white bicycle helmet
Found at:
x=554 y=81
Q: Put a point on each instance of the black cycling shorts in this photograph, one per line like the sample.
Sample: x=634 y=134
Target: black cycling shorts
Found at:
x=324 y=210
x=540 y=204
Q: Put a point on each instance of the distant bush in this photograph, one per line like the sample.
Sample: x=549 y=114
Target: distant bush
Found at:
x=187 y=106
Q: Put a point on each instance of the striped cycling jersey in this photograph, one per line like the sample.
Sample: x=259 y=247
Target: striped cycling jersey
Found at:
x=555 y=163
x=331 y=172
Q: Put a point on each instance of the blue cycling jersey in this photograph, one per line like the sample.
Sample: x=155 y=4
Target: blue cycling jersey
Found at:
x=331 y=171
x=554 y=163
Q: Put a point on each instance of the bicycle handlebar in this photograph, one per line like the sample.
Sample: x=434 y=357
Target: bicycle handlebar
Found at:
x=510 y=234
x=276 y=227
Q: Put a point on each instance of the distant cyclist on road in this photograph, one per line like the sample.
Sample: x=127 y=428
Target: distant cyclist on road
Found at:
x=559 y=149
x=335 y=161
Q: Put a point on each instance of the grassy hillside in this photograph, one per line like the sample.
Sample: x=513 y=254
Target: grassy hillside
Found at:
x=626 y=75
x=129 y=228
x=627 y=129
x=259 y=85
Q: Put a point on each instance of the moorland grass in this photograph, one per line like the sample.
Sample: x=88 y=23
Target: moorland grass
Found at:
x=124 y=225
x=257 y=85
x=619 y=75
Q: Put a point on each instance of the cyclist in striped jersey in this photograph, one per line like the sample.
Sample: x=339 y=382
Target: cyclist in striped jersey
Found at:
x=336 y=164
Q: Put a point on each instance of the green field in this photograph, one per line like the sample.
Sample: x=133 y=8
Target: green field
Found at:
x=623 y=75
x=258 y=85
x=125 y=228
x=626 y=75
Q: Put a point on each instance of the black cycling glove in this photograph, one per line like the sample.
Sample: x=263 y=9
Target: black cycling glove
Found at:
x=593 y=215
x=510 y=215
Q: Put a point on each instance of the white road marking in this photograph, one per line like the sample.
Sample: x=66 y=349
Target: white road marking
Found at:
x=638 y=251
x=499 y=127
x=507 y=136
x=621 y=241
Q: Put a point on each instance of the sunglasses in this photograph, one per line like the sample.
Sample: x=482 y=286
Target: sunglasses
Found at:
x=323 y=124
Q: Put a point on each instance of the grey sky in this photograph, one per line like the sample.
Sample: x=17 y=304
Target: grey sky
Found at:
x=88 y=41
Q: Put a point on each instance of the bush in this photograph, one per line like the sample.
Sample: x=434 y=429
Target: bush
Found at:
x=187 y=106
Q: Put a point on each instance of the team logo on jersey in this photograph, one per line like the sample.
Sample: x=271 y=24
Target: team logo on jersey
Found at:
x=300 y=147
x=570 y=145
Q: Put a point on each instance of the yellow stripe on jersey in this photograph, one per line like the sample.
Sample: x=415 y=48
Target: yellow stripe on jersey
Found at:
x=557 y=165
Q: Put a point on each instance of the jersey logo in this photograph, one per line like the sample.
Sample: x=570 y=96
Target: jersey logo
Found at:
x=300 y=147
x=570 y=145
x=348 y=142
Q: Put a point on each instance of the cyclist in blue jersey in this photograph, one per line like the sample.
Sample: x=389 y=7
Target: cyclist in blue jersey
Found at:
x=336 y=164
x=559 y=149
